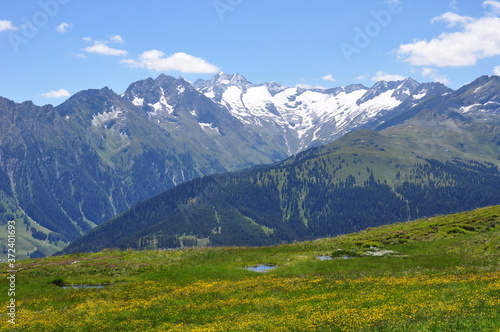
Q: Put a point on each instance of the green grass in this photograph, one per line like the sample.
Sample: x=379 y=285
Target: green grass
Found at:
x=438 y=274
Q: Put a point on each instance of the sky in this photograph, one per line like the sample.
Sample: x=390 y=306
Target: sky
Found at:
x=52 y=49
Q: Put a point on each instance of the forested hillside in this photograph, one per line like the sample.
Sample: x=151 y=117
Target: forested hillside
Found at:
x=364 y=179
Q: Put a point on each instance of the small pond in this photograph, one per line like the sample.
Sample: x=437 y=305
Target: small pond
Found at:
x=326 y=258
x=261 y=268
x=82 y=286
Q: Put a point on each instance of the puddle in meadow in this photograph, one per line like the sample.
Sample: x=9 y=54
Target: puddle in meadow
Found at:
x=327 y=258
x=82 y=286
x=261 y=268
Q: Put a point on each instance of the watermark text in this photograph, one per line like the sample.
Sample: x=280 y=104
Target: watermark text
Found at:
x=364 y=36
x=31 y=26
x=11 y=272
x=222 y=7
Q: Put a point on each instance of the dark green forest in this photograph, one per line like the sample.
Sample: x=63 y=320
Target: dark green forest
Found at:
x=315 y=194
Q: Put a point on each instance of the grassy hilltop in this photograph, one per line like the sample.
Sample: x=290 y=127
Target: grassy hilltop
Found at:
x=436 y=274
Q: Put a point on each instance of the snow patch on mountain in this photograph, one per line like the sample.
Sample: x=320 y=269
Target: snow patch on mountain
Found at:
x=309 y=115
x=420 y=95
x=490 y=106
x=180 y=89
x=138 y=101
x=208 y=127
x=467 y=109
x=162 y=107
x=383 y=101
x=232 y=99
x=101 y=119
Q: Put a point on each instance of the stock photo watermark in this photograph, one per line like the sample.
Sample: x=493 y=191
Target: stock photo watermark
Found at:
x=371 y=30
x=222 y=7
x=31 y=26
x=11 y=272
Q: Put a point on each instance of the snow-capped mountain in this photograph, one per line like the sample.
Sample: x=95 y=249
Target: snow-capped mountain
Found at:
x=481 y=96
x=98 y=153
x=304 y=118
x=478 y=100
x=198 y=121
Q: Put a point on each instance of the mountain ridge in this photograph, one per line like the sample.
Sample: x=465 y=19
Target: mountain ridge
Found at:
x=364 y=179
x=111 y=150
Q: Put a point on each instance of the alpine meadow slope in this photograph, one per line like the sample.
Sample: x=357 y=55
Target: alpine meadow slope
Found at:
x=435 y=274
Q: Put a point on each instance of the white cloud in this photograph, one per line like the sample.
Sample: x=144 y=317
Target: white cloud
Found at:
x=62 y=93
x=434 y=76
x=453 y=19
x=476 y=39
x=117 y=39
x=382 y=76
x=101 y=47
x=64 y=27
x=360 y=78
x=182 y=62
x=494 y=5
x=6 y=26
x=329 y=77
x=496 y=70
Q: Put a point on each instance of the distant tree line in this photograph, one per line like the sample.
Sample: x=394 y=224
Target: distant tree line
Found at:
x=296 y=200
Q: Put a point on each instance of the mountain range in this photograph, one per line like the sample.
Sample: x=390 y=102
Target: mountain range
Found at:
x=439 y=156
x=66 y=169
x=296 y=119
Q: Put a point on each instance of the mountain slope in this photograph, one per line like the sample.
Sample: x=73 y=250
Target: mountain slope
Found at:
x=362 y=180
x=71 y=167
x=436 y=274
x=192 y=119
x=479 y=99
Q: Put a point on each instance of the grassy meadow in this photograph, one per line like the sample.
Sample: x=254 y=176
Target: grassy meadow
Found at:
x=437 y=274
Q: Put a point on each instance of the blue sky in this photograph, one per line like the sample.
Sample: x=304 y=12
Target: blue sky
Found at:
x=50 y=49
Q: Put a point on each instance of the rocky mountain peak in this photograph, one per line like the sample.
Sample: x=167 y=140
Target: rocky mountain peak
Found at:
x=222 y=79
